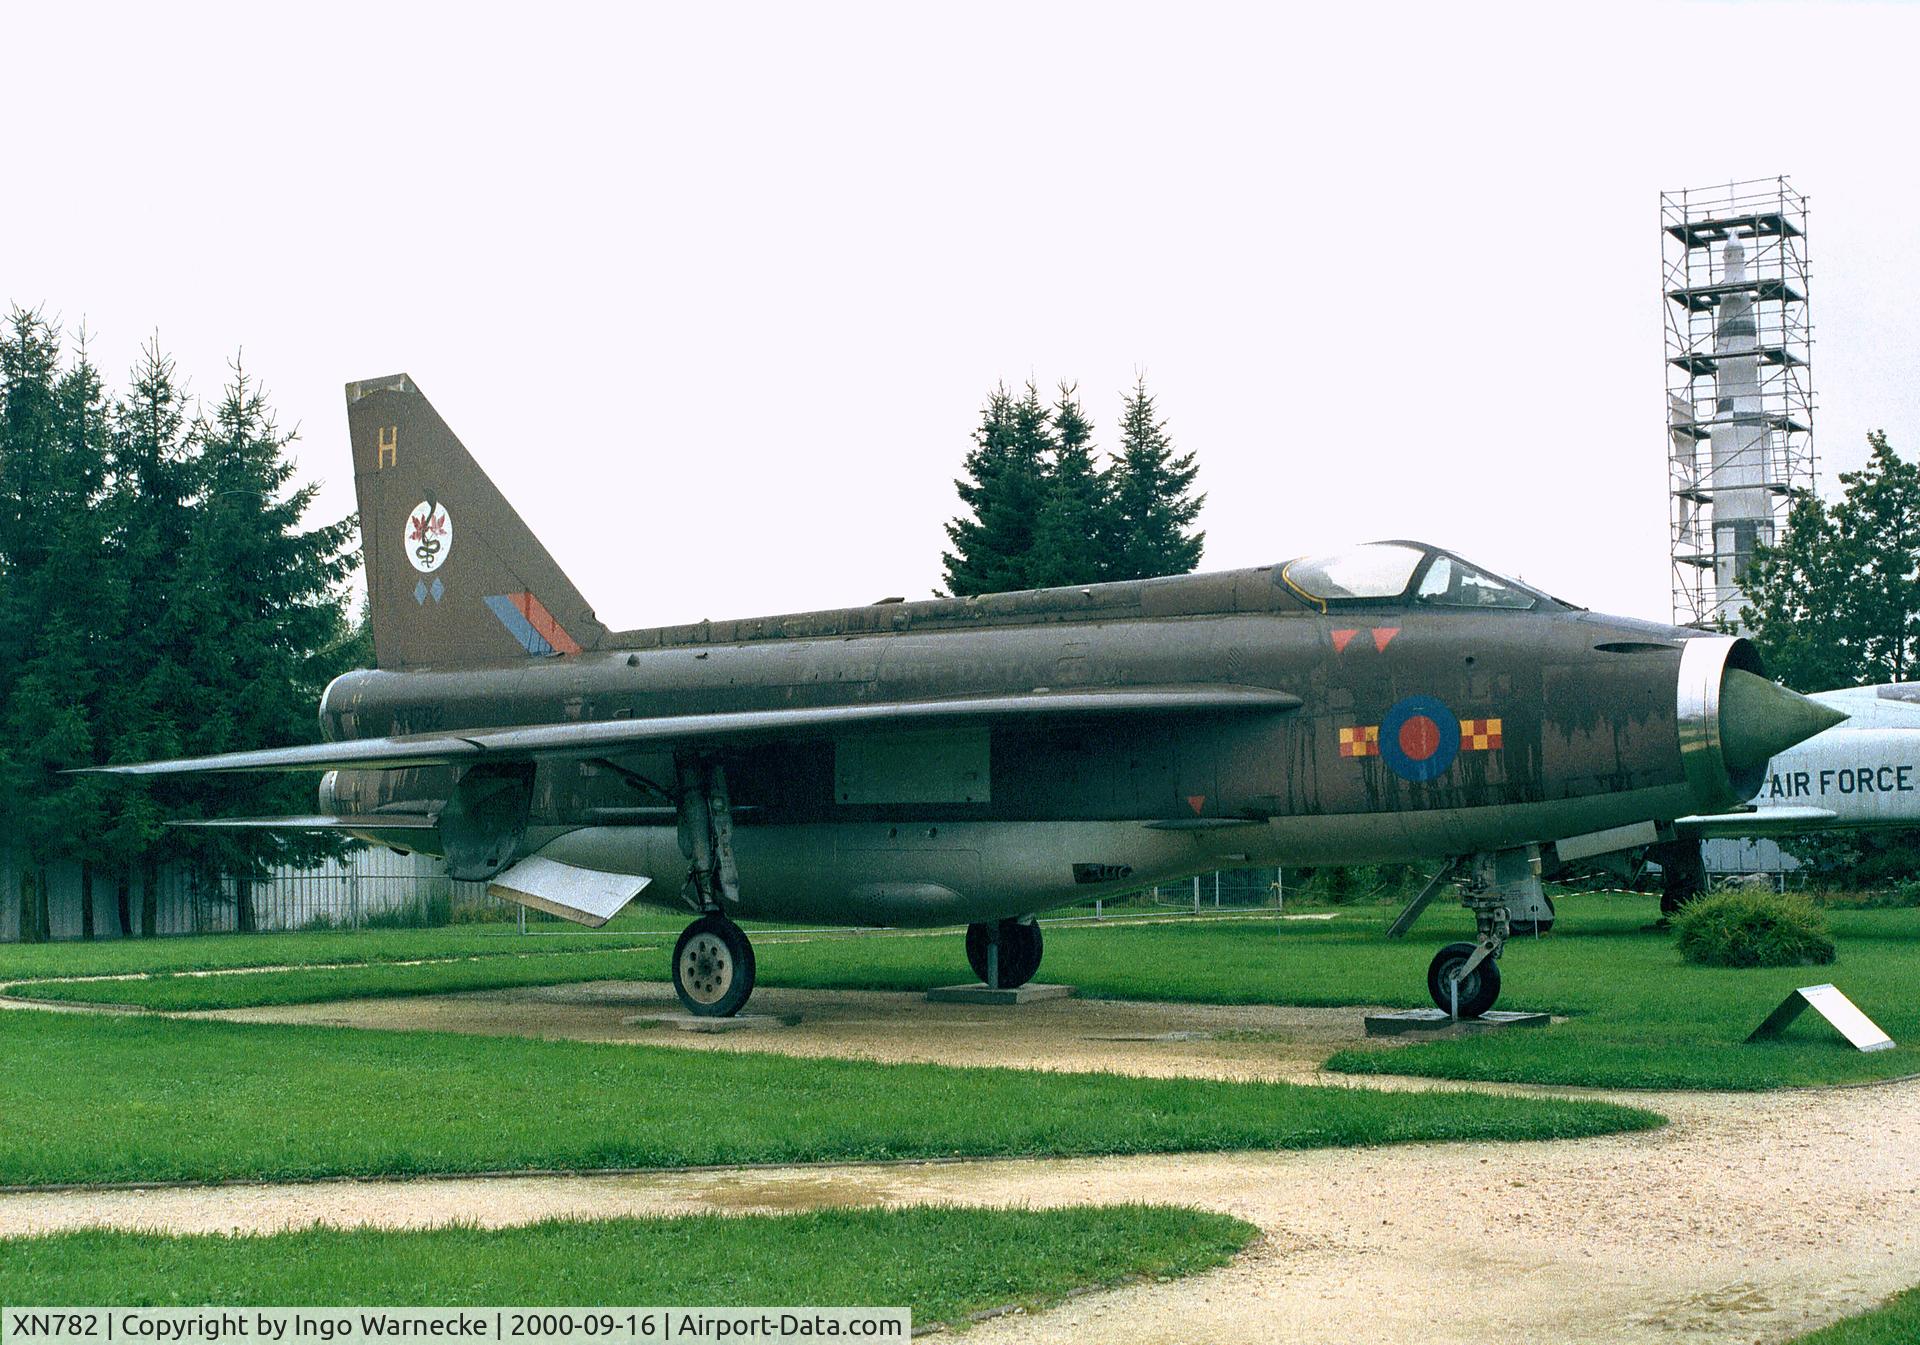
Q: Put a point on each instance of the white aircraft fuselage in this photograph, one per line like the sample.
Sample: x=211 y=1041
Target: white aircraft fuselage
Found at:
x=1863 y=773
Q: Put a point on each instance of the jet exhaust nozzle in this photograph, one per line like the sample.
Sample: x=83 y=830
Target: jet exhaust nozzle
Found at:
x=1733 y=720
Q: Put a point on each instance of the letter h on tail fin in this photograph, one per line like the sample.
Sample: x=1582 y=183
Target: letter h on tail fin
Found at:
x=454 y=576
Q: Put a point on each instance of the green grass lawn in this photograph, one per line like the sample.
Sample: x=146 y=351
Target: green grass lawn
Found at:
x=187 y=991
x=213 y=952
x=1639 y=1016
x=941 y=1262
x=1895 y=1322
x=101 y=1098
x=1642 y=1018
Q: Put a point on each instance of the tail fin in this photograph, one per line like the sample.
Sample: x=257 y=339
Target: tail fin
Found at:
x=453 y=574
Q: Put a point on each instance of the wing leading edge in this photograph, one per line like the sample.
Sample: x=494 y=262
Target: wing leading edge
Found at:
x=605 y=737
x=1782 y=821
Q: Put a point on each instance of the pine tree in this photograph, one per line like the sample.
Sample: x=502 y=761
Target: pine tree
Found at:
x=28 y=356
x=148 y=525
x=1068 y=543
x=1002 y=491
x=1152 y=504
x=266 y=596
x=85 y=613
x=57 y=590
x=158 y=597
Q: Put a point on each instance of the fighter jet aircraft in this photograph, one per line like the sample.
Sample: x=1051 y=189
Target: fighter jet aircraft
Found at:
x=980 y=760
x=1859 y=775
x=1863 y=773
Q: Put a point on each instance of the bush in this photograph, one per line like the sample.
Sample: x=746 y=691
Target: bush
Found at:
x=1748 y=928
x=488 y=912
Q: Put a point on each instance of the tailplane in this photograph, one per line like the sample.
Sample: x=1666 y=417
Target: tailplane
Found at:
x=454 y=576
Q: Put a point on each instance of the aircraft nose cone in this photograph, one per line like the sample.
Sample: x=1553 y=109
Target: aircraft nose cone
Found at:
x=1759 y=719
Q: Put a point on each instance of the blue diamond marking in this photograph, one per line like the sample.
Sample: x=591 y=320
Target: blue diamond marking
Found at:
x=420 y=592
x=439 y=590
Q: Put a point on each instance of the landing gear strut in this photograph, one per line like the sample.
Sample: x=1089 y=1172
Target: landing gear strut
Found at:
x=1006 y=953
x=713 y=961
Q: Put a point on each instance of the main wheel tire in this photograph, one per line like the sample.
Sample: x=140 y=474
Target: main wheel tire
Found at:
x=1477 y=992
x=1021 y=948
x=713 y=967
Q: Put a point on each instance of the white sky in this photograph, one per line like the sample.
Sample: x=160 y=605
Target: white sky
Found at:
x=714 y=291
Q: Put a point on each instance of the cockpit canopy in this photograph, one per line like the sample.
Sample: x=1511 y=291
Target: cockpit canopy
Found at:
x=1405 y=572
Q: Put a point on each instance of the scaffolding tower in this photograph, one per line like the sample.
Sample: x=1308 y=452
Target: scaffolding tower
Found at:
x=1739 y=356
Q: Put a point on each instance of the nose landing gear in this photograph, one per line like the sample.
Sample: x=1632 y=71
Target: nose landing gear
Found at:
x=1464 y=978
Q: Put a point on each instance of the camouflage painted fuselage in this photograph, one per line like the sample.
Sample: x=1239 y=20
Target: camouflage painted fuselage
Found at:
x=1421 y=732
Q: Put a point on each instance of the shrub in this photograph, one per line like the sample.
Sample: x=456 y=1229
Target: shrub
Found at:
x=1340 y=885
x=1748 y=928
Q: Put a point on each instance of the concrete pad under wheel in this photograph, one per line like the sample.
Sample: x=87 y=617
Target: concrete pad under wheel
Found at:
x=977 y=993
x=688 y=1022
x=1436 y=1020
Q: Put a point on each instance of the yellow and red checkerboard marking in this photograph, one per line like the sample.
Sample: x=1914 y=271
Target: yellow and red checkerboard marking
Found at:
x=1479 y=735
x=1362 y=740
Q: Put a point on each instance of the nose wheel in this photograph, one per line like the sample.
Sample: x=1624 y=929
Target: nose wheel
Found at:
x=713 y=967
x=1461 y=983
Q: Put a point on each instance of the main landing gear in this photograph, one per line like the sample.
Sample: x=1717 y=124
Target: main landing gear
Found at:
x=713 y=967
x=1683 y=876
x=713 y=961
x=1004 y=953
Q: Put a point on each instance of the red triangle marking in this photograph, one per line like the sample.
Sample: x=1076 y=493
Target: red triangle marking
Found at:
x=1341 y=639
x=1196 y=802
x=1383 y=636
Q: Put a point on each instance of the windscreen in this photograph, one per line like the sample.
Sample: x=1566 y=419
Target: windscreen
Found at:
x=1454 y=583
x=1381 y=570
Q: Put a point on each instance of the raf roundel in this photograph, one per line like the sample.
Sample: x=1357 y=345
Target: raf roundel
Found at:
x=429 y=536
x=1419 y=738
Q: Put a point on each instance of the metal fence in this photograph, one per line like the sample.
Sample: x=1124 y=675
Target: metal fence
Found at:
x=364 y=889
x=1227 y=889
x=375 y=888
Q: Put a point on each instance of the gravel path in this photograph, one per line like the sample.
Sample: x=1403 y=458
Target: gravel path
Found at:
x=1751 y=1218
x=1256 y=1041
